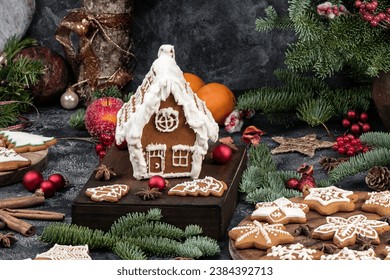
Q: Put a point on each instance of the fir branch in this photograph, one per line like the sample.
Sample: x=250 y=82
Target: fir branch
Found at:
x=70 y=234
x=125 y=223
x=315 y=111
x=24 y=72
x=188 y=251
x=155 y=245
x=14 y=46
x=356 y=164
x=154 y=228
x=272 y=20
x=207 y=245
x=192 y=230
x=77 y=120
x=376 y=139
x=112 y=91
x=128 y=251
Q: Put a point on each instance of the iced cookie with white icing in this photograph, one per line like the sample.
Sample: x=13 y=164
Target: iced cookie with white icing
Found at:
x=348 y=254
x=329 y=200
x=281 y=210
x=10 y=160
x=377 y=202
x=292 y=252
x=22 y=142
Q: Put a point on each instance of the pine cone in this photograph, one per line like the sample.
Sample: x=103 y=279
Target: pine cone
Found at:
x=378 y=178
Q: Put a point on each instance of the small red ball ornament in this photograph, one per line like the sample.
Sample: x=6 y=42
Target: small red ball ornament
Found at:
x=355 y=129
x=32 y=179
x=351 y=115
x=158 y=182
x=366 y=127
x=58 y=180
x=292 y=183
x=364 y=117
x=346 y=123
x=222 y=154
x=48 y=188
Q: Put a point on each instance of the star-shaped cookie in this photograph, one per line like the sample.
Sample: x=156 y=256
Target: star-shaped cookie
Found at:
x=65 y=252
x=259 y=235
x=306 y=145
x=348 y=254
x=329 y=200
x=281 y=210
x=377 y=202
x=293 y=252
x=345 y=231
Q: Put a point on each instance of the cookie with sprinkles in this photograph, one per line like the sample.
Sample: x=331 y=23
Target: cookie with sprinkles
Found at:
x=329 y=200
x=377 y=202
x=281 y=210
x=259 y=235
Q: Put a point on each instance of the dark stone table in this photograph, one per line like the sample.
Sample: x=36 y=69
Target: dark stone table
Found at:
x=75 y=158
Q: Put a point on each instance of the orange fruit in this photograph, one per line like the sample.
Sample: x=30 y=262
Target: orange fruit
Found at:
x=195 y=82
x=219 y=99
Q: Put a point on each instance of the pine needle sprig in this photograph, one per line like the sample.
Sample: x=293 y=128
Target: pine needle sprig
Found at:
x=192 y=230
x=272 y=20
x=207 y=245
x=376 y=139
x=155 y=228
x=124 y=224
x=15 y=45
x=77 y=120
x=356 y=164
x=128 y=251
x=24 y=72
x=155 y=245
x=70 y=234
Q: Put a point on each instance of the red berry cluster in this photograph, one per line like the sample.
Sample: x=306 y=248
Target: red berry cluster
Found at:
x=33 y=181
x=356 y=123
x=349 y=145
x=370 y=12
x=331 y=10
x=105 y=141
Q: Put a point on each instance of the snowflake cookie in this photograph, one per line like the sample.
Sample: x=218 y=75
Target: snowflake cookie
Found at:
x=329 y=200
x=65 y=252
x=345 y=231
x=259 y=235
x=348 y=254
x=292 y=252
x=199 y=187
x=377 y=202
x=281 y=210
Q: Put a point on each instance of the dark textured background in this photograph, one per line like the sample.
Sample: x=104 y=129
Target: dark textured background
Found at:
x=215 y=39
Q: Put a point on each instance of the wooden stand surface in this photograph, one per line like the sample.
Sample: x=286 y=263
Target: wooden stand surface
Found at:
x=38 y=162
x=213 y=214
x=314 y=219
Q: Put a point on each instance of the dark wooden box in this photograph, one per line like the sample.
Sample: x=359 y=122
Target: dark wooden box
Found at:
x=213 y=214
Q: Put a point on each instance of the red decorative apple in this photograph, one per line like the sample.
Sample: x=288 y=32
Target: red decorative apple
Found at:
x=32 y=179
x=100 y=116
x=222 y=153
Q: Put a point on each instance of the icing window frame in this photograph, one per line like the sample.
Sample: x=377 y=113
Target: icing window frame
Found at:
x=167 y=120
x=180 y=155
x=156 y=151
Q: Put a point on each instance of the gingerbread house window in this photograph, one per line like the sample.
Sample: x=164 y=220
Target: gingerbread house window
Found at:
x=181 y=154
x=156 y=158
x=167 y=120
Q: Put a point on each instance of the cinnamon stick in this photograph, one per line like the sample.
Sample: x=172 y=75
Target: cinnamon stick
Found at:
x=17 y=225
x=35 y=214
x=22 y=202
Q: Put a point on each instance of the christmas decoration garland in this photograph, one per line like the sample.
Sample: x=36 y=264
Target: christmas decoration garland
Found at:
x=261 y=181
x=135 y=236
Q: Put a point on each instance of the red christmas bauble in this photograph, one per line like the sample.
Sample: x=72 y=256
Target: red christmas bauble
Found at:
x=32 y=179
x=158 y=182
x=292 y=183
x=306 y=183
x=222 y=154
x=48 y=188
x=58 y=180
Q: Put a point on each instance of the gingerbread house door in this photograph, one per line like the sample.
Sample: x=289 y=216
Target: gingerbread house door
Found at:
x=155 y=155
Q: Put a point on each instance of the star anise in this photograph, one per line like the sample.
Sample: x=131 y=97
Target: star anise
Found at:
x=6 y=240
x=326 y=248
x=365 y=243
x=329 y=163
x=303 y=230
x=149 y=194
x=104 y=173
x=385 y=219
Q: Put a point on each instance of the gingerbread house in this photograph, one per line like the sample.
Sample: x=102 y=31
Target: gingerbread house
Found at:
x=166 y=126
